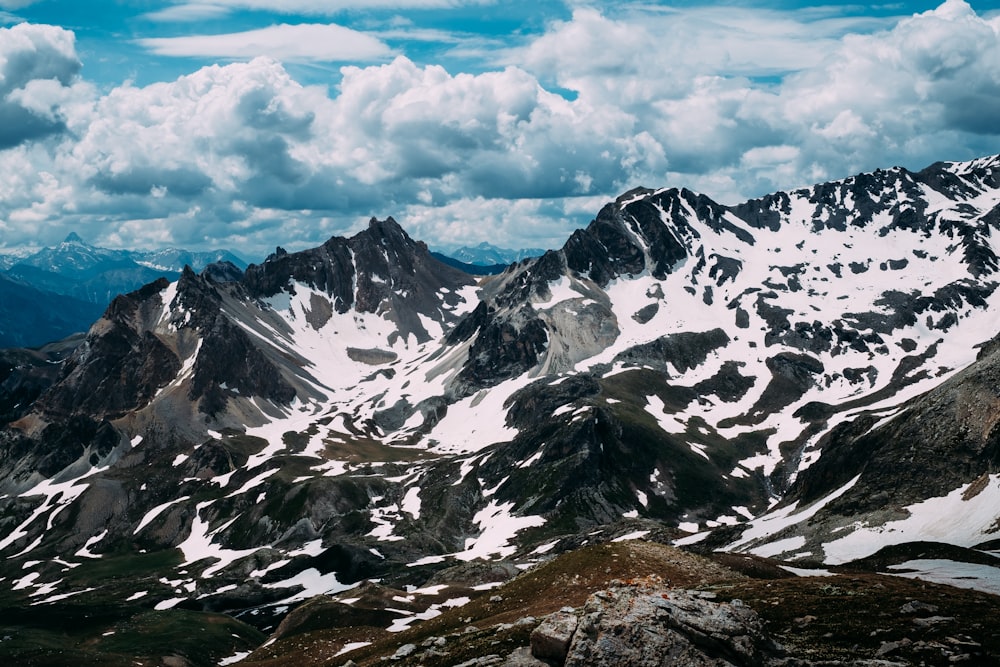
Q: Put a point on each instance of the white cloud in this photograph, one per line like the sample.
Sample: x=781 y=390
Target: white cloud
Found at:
x=303 y=42
x=644 y=53
x=528 y=223
x=922 y=89
x=331 y=7
x=188 y=13
x=927 y=86
x=245 y=156
x=38 y=67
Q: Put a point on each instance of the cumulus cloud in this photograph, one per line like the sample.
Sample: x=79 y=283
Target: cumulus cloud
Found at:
x=243 y=155
x=303 y=42
x=37 y=66
x=920 y=89
x=648 y=53
x=927 y=87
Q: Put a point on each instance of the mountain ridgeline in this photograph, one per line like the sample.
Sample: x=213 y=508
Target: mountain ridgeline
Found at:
x=810 y=376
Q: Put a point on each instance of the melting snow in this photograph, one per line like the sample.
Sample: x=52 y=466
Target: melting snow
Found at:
x=84 y=552
x=950 y=519
x=411 y=502
x=351 y=646
x=155 y=512
x=199 y=546
x=807 y=572
x=771 y=523
x=498 y=527
x=984 y=578
x=233 y=659
x=779 y=547
x=313 y=583
x=632 y=536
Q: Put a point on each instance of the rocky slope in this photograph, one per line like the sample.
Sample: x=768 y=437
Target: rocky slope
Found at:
x=752 y=377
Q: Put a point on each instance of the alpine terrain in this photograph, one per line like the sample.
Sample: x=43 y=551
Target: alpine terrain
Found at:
x=357 y=452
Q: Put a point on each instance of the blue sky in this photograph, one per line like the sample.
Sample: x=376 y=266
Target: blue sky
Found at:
x=252 y=123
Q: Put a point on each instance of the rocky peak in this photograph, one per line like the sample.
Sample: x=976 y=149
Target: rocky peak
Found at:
x=365 y=272
x=121 y=363
x=223 y=272
x=360 y=410
x=606 y=249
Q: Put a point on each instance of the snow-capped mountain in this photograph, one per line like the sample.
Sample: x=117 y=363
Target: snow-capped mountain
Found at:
x=776 y=372
x=487 y=254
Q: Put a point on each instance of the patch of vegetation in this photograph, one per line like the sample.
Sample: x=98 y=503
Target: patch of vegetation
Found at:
x=200 y=637
x=366 y=450
x=124 y=567
x=472 y=630
x=114 y=635
x=864 y=615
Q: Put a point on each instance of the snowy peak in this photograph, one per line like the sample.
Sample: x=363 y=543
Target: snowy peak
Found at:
x=230 y=347
x=74 y=239
x=830 y=296
x=380 y=270
x=487 y=254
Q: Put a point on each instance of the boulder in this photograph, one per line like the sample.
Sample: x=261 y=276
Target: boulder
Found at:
x=647 y=623
x=551 y=639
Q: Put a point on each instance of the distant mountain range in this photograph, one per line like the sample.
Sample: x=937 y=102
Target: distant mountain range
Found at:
x=322 y=451
x=58 y=291
x=486 y=254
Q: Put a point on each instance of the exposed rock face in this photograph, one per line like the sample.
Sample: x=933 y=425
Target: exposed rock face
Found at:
x=551 y=639
x=120 y=365
x=26 y=374
x=650 y=624
x=955 y=428
x=381 y=270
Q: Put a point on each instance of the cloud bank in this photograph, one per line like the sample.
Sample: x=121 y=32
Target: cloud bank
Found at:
x=244 y=156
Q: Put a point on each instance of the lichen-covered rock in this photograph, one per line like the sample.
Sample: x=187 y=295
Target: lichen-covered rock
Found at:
x=648 y=624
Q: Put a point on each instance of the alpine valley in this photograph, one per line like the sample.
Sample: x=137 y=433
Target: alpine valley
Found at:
x=358 y=453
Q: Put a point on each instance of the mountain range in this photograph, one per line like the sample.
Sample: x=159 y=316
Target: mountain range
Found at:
x=55 y=292
x=487 y=254
x=804 y=383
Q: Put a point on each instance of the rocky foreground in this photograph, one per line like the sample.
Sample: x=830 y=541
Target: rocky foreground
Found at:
x=644 y=603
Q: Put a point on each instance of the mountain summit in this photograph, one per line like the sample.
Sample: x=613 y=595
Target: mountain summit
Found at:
x=765 y=378
x=74 y=239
